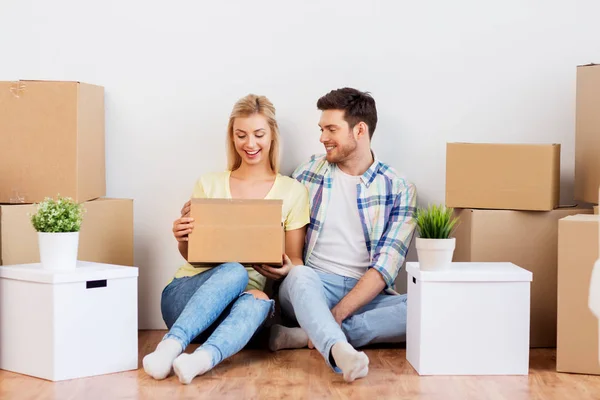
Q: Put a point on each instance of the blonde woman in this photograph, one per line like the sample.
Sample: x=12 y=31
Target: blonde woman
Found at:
x=225 y=305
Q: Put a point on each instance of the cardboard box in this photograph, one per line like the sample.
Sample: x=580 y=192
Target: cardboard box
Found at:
x=51 y=141
x=526 y=238
x=232 y=230
x=595 y=209
x=577 y=343
x=503 y=176
x=106 y=234
x=587 y=134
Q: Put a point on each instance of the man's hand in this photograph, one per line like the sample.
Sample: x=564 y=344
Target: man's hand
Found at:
x=367 y=288
x=275 y=273
x=338 y=315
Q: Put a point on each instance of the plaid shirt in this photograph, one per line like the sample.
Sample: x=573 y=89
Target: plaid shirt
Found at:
x=386 y=204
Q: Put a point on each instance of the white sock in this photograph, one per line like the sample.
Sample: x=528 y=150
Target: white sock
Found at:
x=287 y=338
x=158 y=364
x=189 y=366
x=354 y=364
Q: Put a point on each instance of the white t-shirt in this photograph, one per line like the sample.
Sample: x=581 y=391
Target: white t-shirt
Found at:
x=341 y=247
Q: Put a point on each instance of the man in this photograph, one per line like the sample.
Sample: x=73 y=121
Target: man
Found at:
x=362 y=222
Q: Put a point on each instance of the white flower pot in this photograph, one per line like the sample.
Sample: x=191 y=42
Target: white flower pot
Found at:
x=435 y=254
x=58 y=251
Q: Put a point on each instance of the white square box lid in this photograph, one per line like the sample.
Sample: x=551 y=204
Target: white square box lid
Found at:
x=472 y=272
x=85 y=271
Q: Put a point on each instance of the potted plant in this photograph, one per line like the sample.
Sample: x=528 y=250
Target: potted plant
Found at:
x=435 y=246
x=58 y=223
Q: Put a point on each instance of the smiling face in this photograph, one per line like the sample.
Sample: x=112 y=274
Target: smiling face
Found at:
x=336 y=135
x=252 y=139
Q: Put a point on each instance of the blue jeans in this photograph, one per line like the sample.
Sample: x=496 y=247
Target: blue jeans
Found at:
x=214 y=299
x=308 y=296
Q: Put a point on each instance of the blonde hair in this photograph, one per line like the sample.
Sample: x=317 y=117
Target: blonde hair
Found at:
x=245 y=107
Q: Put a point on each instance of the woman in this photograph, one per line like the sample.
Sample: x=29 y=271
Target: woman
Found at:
x=229 y=298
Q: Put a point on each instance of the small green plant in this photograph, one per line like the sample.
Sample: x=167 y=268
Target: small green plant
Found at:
x=60 y=215
x=435 y=222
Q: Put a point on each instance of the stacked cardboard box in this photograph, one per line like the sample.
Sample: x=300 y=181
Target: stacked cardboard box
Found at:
x=530 y=240
x=507 y=199
x=577 y=346
x=578 y=247
x=52 y=143
x=587 y=134
x=503 y=176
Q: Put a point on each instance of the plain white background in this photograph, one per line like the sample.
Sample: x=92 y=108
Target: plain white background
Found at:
x=440 y=71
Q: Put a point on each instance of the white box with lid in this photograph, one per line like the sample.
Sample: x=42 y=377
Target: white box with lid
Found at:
x=472 y=319
x=68 y=324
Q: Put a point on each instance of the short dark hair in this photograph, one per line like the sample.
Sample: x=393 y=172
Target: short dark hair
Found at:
x=358 y=106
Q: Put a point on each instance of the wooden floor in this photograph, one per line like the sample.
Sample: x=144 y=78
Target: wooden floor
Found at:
x=302 y=374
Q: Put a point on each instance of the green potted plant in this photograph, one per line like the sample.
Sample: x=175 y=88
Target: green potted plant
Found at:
x=435 y=246
x=58 y=223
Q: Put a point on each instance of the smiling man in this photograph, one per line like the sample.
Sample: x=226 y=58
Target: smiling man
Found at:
x=362 y=221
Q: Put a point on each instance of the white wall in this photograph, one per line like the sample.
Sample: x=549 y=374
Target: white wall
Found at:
x=465 y=70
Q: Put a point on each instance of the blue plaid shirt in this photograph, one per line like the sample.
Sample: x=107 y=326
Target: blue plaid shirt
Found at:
x=386 y=204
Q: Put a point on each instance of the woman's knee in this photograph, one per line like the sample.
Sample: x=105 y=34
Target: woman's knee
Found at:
x=235 y=273
x=258 y=294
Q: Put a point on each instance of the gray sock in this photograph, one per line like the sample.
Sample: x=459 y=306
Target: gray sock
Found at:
x=287 y=338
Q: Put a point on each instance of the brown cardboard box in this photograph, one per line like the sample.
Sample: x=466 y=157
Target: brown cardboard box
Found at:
x=503 y=176
x=106 y=234
x=595 y=209
x=51 y=141
x=526 y=238
x=244 y=231
x=577 y=342
x=587 y=134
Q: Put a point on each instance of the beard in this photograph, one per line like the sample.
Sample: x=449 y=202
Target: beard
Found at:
x=342 y=152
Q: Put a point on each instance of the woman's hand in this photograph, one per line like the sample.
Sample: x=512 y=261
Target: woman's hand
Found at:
x=275 y=273
x=186 y=209
x=183 y=226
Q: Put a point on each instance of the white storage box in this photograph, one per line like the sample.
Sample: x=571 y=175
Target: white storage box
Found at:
x=59 y=325
x=472 y=319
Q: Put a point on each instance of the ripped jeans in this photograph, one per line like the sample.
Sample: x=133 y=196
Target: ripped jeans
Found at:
x=215 y=301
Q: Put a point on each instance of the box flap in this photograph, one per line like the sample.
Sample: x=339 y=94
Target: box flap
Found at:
x=472 y=272
x=85 y=271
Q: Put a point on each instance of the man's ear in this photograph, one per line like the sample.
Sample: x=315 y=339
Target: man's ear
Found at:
x=361 y=130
